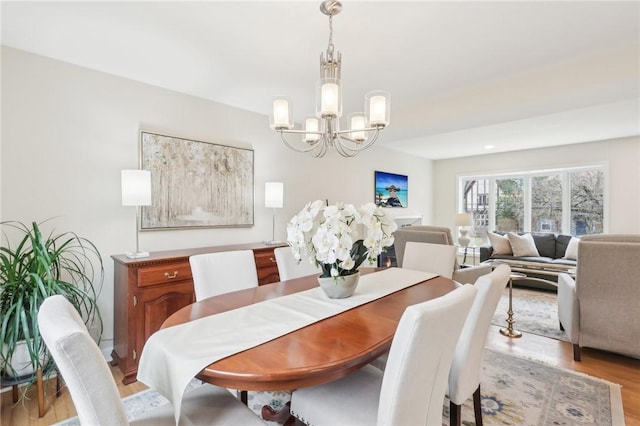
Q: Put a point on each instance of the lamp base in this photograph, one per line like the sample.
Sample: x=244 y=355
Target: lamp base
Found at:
x=137 y=255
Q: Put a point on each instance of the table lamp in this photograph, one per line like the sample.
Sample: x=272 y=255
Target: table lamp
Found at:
x=462 y=221
x=273 y=198
x=136 y=191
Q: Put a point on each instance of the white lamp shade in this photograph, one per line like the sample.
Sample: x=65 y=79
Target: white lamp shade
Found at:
x=329 y=98
x=273 y=195
x=281 y=116
x=464 y=219
x=136 y=187
x=377 y=108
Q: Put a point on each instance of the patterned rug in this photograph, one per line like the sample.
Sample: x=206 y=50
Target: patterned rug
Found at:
x=534 y=311
x=515 y=391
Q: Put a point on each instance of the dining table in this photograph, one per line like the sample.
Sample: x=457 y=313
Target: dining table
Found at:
x=318 y=353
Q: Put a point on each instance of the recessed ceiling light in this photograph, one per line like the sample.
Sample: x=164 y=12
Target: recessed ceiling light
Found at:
x=489 y=146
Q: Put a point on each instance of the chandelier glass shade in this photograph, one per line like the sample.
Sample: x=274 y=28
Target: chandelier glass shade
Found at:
x=322 y=131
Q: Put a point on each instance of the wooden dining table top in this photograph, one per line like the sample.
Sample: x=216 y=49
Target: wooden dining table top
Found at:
x=318 y=353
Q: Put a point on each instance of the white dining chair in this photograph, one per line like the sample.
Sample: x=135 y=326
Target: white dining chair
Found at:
x=411 y=389
x=464 y=377
x=436 y=258
x=289 y=268
x=94 y=392
x=222 y=272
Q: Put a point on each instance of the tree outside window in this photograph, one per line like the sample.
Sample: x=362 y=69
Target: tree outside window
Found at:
x=587 y=202
x=510 y=204
x=546 y=203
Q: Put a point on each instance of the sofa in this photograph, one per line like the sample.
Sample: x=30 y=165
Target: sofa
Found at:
x=601 y=308
x=436 y=235
x=553 y=254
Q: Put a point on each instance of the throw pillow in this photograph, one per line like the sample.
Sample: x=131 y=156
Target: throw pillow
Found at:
x=572 y=249
x=500 y=243
x=522 y=245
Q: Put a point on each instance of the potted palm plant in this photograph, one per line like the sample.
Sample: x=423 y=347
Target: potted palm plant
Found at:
x=33 y=268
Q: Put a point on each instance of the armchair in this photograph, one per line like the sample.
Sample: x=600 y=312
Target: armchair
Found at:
x=436 y=235
x=600 y=309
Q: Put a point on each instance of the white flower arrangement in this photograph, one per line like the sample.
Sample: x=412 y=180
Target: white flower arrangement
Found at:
x=328 y=236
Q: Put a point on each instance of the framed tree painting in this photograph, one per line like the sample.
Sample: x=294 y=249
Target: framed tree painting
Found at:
x=391 y=190
x=196 y=184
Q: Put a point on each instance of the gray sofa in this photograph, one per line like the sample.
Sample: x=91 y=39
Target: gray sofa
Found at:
x=542 y=271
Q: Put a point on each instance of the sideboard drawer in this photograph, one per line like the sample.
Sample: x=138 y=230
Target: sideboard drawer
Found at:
x=265 y=259
x=163 y=274
x=266 y=266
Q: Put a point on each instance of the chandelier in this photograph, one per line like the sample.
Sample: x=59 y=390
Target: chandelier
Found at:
x=323 y=130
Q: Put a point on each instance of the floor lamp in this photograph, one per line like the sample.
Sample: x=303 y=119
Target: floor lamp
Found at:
x=273 y=198
x=136 y=191
x=462 y=221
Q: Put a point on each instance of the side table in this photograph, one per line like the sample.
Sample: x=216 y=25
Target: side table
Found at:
x=468 y=250
x=509 y=331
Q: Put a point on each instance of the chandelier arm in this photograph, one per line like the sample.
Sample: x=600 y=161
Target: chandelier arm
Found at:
x=295 y=148
x=366 y=129
x=344 y=151
x=369 y=143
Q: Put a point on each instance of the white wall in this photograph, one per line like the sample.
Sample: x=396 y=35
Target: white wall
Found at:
x=68 y=131
x=622 y=157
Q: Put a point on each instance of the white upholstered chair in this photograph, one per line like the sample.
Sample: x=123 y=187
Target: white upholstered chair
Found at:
x=289 y=268
x=464 y=377
x=94 y=391
x=411 y=389
x=223 y=272
x=436 y=258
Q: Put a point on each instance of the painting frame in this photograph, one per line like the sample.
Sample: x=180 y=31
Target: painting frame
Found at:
x=391 y=190
x=196 y=184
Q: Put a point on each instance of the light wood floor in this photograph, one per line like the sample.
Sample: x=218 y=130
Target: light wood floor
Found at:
x=618 y=369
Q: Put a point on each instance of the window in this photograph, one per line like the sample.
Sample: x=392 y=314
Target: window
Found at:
x=509 y=205
x=546 y=203
x=587 y=202
x=568 y=201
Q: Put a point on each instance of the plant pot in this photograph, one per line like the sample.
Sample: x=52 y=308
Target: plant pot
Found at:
x=340 y=287
x=21 y=361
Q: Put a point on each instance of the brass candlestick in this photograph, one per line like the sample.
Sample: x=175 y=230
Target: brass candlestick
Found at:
x=509 y=331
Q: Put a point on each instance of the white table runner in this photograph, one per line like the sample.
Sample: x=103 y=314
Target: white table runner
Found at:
x=173 y=356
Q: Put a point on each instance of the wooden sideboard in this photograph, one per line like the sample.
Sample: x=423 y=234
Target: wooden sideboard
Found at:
x=148 y=290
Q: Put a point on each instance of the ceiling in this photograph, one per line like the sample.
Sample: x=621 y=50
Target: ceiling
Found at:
x=462 y=74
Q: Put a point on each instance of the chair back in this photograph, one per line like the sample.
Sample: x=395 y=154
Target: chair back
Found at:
x=81 y=363
x=421 y=234
x=607 y=289
x=464 y=377
x=289 y=268
x=436 y=258
x=415 y=378
x=223 y=272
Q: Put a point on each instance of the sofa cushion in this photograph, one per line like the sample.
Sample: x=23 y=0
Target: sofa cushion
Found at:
x=572 y=249
x=545 y=243
x=500 y=244
x=537 y=259
x=562 y=241
x=567 y=262
x=523 y=245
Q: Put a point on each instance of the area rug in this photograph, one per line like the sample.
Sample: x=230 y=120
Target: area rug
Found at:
x=515 y=391
x=534 y=311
